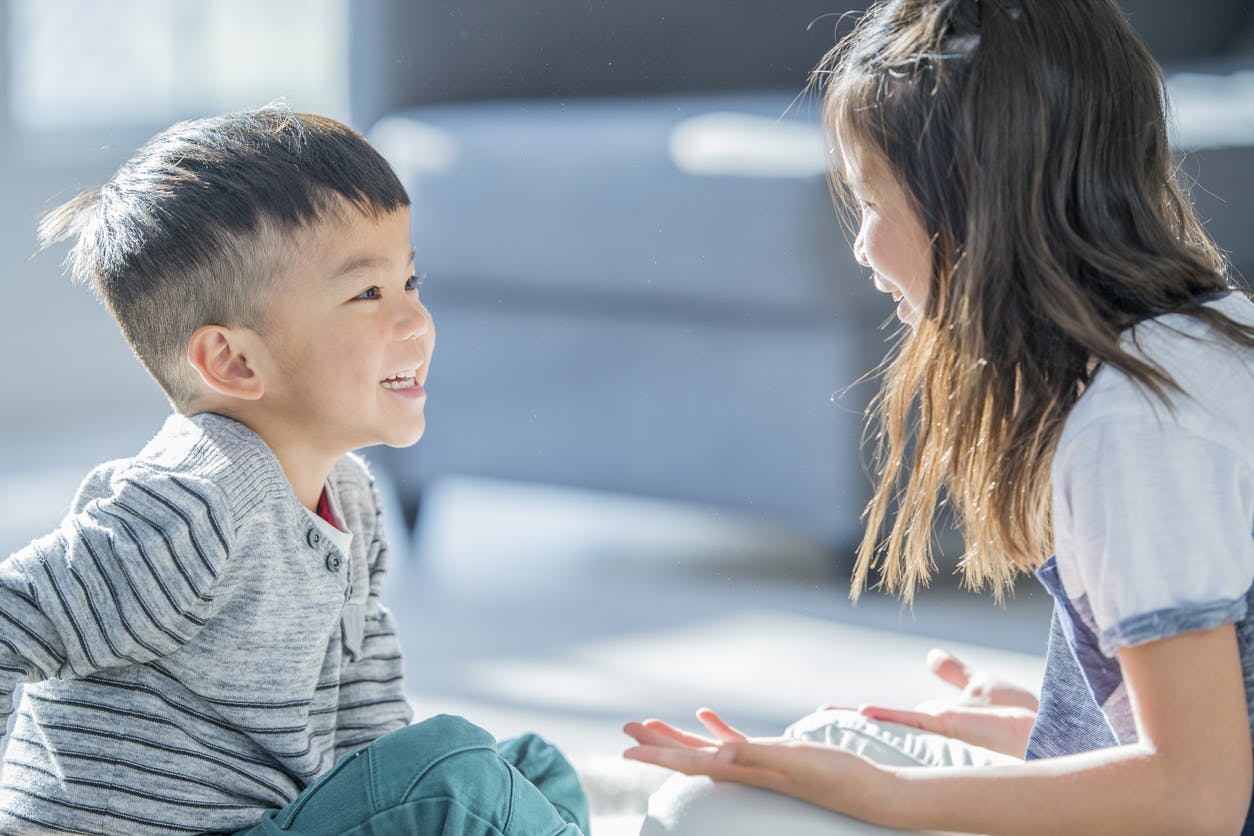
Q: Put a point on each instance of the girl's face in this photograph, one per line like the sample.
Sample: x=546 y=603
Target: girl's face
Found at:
x=891 y=239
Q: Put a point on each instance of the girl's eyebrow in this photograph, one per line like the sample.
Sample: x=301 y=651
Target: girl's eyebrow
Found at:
x=858 y=187
x=853 y=178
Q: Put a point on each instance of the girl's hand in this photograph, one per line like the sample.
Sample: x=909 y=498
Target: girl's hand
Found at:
x=821 y=775
x=978 y=687
x=1000 y=728
x=989 y=712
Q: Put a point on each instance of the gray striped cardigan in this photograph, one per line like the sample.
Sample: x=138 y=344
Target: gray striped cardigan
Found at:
x=198 y=651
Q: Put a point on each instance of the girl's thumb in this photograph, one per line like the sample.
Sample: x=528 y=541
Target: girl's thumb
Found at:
x=948 y=667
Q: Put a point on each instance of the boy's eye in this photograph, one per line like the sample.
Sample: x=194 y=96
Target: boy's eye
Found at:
x=375 y=292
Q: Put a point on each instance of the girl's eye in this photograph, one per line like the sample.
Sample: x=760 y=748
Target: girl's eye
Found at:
x=414 y=282
x=368 y=293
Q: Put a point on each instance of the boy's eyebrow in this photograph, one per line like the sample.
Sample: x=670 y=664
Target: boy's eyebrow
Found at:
x=365 y=262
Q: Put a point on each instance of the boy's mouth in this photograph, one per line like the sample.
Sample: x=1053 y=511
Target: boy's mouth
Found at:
x=401 y=380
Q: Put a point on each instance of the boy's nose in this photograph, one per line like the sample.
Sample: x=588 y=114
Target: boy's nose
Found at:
x=414 y=322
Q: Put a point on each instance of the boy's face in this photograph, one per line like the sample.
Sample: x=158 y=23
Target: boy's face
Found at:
x=348 y=341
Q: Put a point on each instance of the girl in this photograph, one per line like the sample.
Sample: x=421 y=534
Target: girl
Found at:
x=1078 y=378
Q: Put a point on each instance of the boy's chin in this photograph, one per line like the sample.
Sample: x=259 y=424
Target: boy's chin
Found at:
x=407 y=439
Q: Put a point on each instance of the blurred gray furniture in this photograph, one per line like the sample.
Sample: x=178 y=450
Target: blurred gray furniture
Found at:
x=1207 y=52
x=638 y=280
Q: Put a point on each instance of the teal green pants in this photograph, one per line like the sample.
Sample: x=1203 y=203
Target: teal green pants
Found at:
x=441 y=777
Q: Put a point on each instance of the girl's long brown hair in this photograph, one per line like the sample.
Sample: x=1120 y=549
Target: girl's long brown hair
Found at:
x=1030 y=135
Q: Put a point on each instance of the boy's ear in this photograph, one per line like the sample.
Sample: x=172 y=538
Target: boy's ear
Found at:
x=221 y=357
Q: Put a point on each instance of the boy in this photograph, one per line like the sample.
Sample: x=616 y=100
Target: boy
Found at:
x=202 y=636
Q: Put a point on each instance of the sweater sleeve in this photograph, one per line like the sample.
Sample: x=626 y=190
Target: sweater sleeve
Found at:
x=372 y=693
x=126 y=578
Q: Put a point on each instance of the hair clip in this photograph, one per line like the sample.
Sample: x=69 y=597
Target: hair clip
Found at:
x=965 y=22
x=965 y=17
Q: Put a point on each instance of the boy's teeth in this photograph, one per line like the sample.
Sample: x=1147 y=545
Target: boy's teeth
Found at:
x=399 y=383
x=404 y=380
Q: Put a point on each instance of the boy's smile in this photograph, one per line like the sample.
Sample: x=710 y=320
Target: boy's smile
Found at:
x=347 y=344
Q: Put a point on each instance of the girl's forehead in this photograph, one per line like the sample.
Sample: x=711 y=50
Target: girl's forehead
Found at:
x=859 y=164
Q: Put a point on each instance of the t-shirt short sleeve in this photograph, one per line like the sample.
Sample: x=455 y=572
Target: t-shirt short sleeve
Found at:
x=1154 y=526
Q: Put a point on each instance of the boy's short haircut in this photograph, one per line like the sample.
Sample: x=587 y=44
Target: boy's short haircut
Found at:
x=192 y=230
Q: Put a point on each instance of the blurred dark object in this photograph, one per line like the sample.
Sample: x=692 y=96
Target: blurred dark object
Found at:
x=1207 y=52
x=1200 y=30
x=637 y=277
x=409 y=53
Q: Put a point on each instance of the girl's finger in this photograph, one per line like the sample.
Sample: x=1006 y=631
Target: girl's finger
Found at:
x=687 y=761
x=904 y=717
x=733 y=762
x=948 y=667
x=648 y=735
x=686 y=738
x=718 y=727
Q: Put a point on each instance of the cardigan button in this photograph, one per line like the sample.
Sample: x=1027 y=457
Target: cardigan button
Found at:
x=334 y=561
x=313 y=538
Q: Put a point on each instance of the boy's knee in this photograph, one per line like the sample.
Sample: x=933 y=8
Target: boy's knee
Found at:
x=443 y=755
x=452 y=763
x=443 y=733
x=545 y=767
x=531 y=753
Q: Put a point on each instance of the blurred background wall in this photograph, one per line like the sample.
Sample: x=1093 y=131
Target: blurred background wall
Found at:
x=638 y=278
x=81 y=85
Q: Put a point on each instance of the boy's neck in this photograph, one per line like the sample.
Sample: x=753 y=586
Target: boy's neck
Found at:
x=307 y=473
x=306 y=469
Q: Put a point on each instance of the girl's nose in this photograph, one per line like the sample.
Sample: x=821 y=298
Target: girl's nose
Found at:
x=859 y=251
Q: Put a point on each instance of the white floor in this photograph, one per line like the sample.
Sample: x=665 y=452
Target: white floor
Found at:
x=568 y=613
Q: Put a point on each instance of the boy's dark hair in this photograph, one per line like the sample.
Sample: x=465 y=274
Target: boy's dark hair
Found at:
x=191 y=230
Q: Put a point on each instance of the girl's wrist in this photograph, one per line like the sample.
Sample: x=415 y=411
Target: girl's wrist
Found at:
x=879 y=795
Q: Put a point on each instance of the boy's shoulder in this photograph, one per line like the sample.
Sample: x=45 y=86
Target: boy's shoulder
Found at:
x=226 y=464
x=220 y=464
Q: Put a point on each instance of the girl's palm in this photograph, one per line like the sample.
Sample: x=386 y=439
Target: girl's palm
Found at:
x=989 y=711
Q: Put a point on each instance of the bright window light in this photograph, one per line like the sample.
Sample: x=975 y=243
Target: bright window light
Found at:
x=84 y=64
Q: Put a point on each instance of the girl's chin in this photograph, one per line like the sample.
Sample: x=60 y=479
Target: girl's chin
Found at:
x=908 y=314
x=905 y=311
